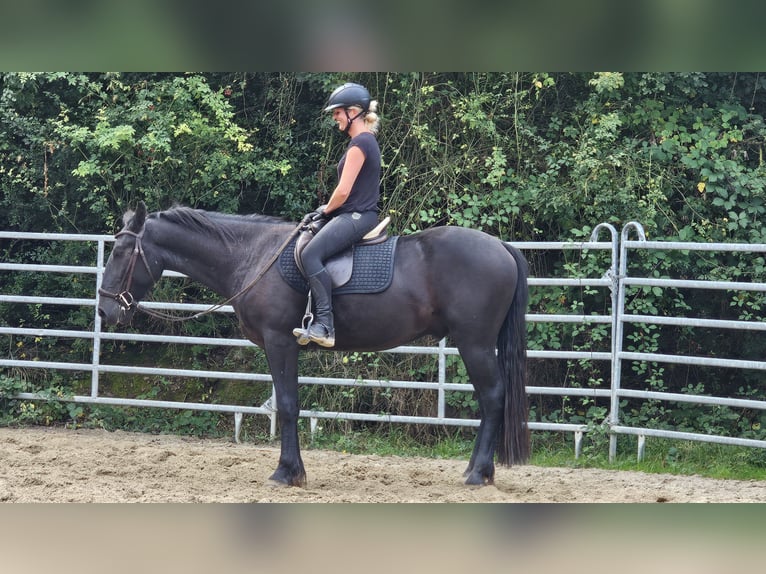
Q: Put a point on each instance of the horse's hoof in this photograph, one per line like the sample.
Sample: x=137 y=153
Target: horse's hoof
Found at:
x=477 y=479
x=273 y=483
x=281 y=484
x=277 y=480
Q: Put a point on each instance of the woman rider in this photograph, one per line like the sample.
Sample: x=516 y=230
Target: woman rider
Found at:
x=352 y=210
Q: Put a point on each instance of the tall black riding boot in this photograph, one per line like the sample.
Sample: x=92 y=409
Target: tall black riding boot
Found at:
x=322 y=330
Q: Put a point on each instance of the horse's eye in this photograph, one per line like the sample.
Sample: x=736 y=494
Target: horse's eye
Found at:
x=120 y=252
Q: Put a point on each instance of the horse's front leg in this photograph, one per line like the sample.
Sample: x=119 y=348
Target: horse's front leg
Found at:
x=282 y=357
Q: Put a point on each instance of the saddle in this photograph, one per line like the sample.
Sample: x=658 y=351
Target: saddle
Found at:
x=365 y=267
x=341 y=265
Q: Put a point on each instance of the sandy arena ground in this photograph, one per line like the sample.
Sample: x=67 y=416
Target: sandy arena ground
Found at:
x=60 y=465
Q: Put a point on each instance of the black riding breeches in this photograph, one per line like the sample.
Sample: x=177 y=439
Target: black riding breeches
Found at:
x=340 y=232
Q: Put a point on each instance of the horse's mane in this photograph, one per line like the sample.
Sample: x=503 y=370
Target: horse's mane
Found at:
x=213 y=223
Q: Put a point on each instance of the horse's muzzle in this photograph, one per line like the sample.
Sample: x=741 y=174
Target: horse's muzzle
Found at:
x=112 y=313
x=116 y=308
x=106 y=317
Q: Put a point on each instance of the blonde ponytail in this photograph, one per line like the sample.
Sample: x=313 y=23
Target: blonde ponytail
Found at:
x=371 y=119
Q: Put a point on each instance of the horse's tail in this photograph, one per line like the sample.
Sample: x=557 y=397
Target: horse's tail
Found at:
x=512 y=356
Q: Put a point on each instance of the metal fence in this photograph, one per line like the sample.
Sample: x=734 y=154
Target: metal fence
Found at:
x=613 y=280
x=622 y=318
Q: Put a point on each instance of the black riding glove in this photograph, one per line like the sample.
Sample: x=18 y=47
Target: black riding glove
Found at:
x=316 y=215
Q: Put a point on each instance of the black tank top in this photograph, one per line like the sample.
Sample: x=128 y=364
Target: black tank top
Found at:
x=365 y=193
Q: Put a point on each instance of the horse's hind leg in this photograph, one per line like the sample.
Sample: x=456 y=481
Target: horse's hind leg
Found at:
x=476 y=443
x=483 y=370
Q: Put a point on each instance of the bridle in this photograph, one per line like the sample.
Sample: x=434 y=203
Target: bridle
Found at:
x=125 y=298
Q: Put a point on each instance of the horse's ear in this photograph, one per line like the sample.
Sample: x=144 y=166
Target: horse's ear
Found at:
x=138 y=218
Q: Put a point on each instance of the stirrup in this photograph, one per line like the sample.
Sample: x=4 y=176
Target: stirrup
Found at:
x=301 y=336
x=302 y=333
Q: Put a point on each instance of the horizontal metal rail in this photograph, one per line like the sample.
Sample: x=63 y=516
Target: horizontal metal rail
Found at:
x=681 y=435
x=688 y=284
x=697 y=322
x=698 y=361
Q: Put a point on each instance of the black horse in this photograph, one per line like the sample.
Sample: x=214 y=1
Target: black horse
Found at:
x=447 y=281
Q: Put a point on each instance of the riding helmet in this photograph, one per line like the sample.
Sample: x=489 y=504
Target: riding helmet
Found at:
x=347 y=95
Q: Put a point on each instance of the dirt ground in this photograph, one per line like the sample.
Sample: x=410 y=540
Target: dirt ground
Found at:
x=61 y=465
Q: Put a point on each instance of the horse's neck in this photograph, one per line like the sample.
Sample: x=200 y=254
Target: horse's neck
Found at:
x=217 y=264
x=201 y=258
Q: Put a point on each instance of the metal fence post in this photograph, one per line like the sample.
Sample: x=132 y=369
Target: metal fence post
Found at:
x=614 y=288
x=614 y=410
x=274 y=412
x=441 y=395
x=97 y=321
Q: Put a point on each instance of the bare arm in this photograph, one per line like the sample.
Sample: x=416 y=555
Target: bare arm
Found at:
x=354 y=161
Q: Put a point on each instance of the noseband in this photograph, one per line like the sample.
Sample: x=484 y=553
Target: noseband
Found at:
x=125 y=298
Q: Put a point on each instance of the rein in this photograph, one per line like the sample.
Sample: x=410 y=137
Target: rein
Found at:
x=126 y=300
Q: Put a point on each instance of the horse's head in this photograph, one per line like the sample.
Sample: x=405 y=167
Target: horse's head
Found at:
x=130 y=271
